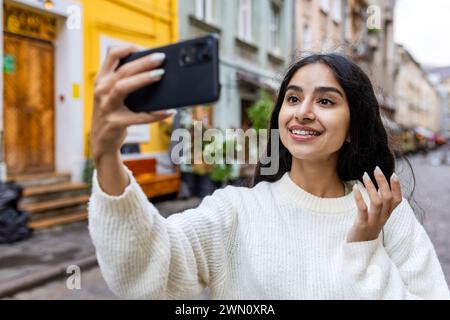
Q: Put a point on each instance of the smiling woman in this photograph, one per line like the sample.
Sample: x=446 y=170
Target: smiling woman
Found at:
x=301 y=233
x=331 y=95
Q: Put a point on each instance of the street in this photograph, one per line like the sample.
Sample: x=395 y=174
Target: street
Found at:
x=431 y=194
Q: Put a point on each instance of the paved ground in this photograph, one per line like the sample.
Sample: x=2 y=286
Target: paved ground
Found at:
x=432 y=195
x=61 y=246
x=92 y=287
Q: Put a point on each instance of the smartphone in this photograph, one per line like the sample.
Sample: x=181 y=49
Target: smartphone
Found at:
x=191 y=76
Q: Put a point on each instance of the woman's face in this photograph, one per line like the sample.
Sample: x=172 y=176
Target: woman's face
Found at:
x=315 y=117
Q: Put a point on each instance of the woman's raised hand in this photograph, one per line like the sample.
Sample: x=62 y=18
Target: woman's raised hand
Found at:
x=110 y=116
x=370 y=221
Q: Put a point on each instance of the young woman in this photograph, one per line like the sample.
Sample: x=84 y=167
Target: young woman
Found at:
x=331 y=224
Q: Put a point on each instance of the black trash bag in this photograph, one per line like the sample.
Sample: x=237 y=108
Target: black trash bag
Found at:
x=13 y=222
x=10 y=194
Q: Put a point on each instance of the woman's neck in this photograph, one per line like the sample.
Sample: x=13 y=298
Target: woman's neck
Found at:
x=319 y=178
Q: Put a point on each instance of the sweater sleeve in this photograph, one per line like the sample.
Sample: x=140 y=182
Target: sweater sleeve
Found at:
x=407 y=267
x=145 y=256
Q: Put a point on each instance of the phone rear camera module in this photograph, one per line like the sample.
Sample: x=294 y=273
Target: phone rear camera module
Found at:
x=195 y=54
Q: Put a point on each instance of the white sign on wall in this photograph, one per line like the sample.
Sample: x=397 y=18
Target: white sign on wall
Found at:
x=136 y=133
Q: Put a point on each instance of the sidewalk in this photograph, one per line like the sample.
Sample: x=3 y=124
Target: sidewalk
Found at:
x=48 y=253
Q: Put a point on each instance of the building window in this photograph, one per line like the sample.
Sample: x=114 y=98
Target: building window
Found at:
x=130 y=148
x=245 y=20
x=337 y=11
x=325 y=5
x=275 y=27
x=203 y=10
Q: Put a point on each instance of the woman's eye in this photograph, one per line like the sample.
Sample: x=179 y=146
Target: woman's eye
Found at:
x=293 y=99
x=326 y=102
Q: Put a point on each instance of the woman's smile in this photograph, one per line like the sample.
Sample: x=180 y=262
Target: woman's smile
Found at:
x=303 y=136
x=303 y=133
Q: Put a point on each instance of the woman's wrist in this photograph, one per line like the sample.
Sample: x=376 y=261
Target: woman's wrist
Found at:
x=111 y=174
x=109 y=157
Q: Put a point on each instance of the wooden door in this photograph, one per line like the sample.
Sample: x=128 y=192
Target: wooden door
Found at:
x=29 y=105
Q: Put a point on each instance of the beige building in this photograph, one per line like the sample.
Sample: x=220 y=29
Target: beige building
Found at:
x=441 y=76
x=381 y=52
x=416 y=99
x=319 y=25
x=361 y=29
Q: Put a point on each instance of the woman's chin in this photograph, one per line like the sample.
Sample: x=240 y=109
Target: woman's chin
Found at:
x=304 y=154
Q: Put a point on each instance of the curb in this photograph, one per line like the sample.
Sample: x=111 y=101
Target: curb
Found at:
x=12 y=287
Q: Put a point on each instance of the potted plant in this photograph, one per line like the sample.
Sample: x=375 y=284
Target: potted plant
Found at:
x=259 y=113
x=259 y=116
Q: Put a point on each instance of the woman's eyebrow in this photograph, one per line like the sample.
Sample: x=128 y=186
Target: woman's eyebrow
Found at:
x=328 y=89
x=317 y=89
x=294 y=88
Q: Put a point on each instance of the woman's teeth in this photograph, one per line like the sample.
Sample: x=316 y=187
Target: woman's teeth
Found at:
x=305 y=133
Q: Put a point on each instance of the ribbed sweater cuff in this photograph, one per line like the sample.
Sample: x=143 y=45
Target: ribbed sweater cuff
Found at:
x=131 y=207
x=359 y=254
x=367 y=266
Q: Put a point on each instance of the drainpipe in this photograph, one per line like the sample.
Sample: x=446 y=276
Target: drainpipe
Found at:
x=343 y=24
x=294 y=31
x=3 y=173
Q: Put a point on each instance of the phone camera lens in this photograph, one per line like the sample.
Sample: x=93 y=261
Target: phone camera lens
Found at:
x=185 y=58
x=203 y=55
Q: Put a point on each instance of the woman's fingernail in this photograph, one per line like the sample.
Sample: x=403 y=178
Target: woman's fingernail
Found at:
x=355 y=187
x=171 y=111
x=366 y=176
x=156 y=73
x=378 y=170
x=394 y=177
x=157 y=57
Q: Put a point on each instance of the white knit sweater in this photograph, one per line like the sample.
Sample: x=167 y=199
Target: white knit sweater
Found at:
x=272 y=241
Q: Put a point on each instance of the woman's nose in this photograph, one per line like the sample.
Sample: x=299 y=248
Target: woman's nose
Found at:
x=305 y=110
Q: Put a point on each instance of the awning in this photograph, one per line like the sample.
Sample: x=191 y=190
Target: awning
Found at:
x=424 y=132
x=257 y=81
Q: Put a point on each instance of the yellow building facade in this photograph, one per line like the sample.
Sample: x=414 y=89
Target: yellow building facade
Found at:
x=146 y=23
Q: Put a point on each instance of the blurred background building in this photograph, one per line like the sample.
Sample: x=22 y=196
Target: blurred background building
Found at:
x=255 y=49
x=417 y=100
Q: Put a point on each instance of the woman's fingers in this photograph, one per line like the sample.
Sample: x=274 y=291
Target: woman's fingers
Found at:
x=145 y=117
x=385 y=192
x=127 y=85
x=383 y=201
x=396 y=191
x=360 y=203
x=112 y=58
x=375 y=199
x=124 y=117
x=140 y=65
